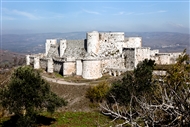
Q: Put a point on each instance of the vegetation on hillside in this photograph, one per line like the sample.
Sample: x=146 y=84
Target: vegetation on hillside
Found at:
x=27 y=94
x=141 y=101
x=98 y=92
x=135 y=83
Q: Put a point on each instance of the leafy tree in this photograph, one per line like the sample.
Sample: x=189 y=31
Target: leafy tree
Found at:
x=143 y=76
x=136 y=83
x=170 y=102
x=120 y=90
x=28 y=94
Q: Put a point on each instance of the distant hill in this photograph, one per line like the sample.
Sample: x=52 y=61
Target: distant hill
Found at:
x=35 y=43
x=10 y=59
x=164 y=41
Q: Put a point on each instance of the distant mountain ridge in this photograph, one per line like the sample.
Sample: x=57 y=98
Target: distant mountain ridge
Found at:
x=34 y=43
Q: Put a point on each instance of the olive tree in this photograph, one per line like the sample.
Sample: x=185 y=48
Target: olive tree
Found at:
x=28 y=94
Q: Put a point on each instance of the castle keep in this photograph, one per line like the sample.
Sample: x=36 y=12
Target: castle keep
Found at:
x=99 y=53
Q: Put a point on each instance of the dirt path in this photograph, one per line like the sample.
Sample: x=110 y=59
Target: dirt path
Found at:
x=60 y=81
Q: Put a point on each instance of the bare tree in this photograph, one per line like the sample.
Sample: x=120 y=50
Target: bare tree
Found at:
x=169 y=105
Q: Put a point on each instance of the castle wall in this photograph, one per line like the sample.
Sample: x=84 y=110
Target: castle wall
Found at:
x=27 y=59
x=111 y=44
x=141 y=54
x=154 y=52
x=53 y=51
x=162 y=58
x=69 y=68
x=93 y=43
x=31 y=60
x=129 y=56
x=112 y=63
x=91 y=69
x=78 y=67
x=159 y=72
x=133 y=42
x=43 y=63
x=174 y=57
x=62 y=47
x=112 y=37
x=99 y=53
x=165 y=58
x=50 y=65
x=49 y=42
x=36 y=63
x=58 y=66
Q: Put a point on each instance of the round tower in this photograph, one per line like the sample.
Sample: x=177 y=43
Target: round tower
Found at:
x=91 y=69
x=93 y=43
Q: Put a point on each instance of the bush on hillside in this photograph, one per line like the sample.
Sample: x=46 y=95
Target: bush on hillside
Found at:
x=98 y=93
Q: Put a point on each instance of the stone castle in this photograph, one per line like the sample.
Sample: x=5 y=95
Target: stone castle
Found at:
x=99 y=53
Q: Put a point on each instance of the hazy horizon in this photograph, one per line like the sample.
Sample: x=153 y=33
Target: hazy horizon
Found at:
x=24 y=33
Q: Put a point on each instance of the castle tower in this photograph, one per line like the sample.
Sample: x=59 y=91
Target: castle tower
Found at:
x=36 y=62
x=27 y=59
x=91 y=69
x=63 y=46
x=50 y=65
x=48 y=44
x=93 y=43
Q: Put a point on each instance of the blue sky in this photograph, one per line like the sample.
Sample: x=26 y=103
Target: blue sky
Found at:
x=45 y=16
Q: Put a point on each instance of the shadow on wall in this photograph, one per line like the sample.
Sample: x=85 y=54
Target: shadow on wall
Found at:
x=61 y=70
x=85 y=44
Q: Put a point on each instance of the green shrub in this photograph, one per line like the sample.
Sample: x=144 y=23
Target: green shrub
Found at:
x=98 y=93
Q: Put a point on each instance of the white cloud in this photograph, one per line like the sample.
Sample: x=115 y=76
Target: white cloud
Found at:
x=177 y=25
x=25 y=14
x=19 y=13
x=124 y=13
x=91 y=12
x=154 y=12
x=129 y=13
x=120 y=13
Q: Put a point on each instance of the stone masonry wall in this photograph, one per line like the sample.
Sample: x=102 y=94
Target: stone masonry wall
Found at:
x=129 y=56
x=53 y=51
x=93 y=43
x=75 y=48
x=69 y=68
x=133 y=42
x=58 y=66
x=112 y=63
x=111 y=44
x=48 y=44
x=92 y=69
x=154 y=52
x=78 y=67
x=43 y=63
x=165 y=58
x=141 y=54
x=31 y=60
